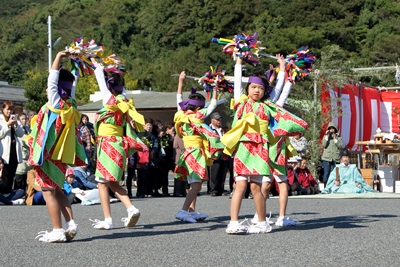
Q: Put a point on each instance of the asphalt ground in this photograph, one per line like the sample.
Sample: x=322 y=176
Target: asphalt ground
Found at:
x=330 y=232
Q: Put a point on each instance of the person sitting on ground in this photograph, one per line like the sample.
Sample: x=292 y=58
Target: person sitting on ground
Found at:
x=346 y=178
x=34 y=195
x=70 y=185
x=84 y=179
x=308 y=184
x=294 y=185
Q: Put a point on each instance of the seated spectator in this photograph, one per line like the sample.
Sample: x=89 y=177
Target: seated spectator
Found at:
x=346 y=178
x=307 y=182
x=299 y=143
x=84 y=179
x=294 y=186
x=7 y=195
x=70 y=186
x=34 y=194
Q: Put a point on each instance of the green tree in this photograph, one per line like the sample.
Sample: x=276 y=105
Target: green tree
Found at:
x=35 y=90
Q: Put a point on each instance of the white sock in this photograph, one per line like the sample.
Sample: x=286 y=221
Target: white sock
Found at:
x=108 y=220
x=70 y=222
x=234 y=222
x=131 y=208
x=58 y=230
x=261 y=223
x=281 y=218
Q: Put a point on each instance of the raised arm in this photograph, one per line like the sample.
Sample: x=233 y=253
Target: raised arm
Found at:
x=213 y=103
x=237 y=91
x=274 y=96
x=52 y=80
x=99 y=72
x=179 y=98
x=285 y=94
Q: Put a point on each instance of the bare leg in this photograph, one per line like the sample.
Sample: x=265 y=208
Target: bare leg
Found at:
x=259 y=200
x=191 y=196
x=104 y=199
x=64 y=205
x=283 y=198
x=120 y=192
x=236 y=202
x=53 y=208
x=192 y=206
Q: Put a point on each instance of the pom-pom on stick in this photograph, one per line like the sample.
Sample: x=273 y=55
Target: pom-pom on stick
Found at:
x=215 y=79
x=113 y=64
x=244 y=46
x=81 y=52
x=299 y=63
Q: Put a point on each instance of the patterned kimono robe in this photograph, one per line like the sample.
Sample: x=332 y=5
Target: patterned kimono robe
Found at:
x=201 y=145
x=348 y=176
x=282 y=124
x=116 y=139
x=255 y=136
x=55 y=142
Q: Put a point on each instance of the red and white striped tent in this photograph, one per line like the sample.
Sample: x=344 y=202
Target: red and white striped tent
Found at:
x=363 y=109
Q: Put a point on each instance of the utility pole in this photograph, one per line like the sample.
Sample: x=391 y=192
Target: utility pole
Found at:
x=49 y=41
x=50 y=45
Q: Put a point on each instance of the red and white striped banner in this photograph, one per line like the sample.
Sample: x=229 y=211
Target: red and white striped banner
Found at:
x=356 y=111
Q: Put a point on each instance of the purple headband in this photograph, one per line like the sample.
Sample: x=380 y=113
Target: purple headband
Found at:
x=110 y=85
x=257 y=80
x=197 y=103
x=64 y=89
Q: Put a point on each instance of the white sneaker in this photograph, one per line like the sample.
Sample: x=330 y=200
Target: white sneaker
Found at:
x=185 y=216
x=71 y=231
x=259 y=228
x=285 y=221
x=132 y=219
x=101 y=225
x=198 y=216
x=19 y=201
x=267 y=219
x=237 y=228
x=52 y=237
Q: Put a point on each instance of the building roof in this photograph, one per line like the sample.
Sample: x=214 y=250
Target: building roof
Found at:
x=12 y=93
x=150 y=100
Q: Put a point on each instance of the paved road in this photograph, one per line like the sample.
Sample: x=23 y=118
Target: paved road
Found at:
x=330 y=232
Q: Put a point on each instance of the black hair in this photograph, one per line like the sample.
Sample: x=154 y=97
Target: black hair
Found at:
x=66 y=76
x=118 y=79
x=260 y=74
x=196 y=96
x=148 y=120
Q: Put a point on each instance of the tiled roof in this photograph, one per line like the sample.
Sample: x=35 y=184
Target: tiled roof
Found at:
x=13 y=93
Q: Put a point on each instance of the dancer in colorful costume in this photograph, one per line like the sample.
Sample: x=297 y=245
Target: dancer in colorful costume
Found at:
x=115 y=126
x=54 y=142
x=280 y=147
x=249 y=139
x=201 y=146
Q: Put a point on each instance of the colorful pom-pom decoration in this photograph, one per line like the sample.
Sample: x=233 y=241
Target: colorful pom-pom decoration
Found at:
x=81 y=51
x=244 y=46
x=299 y=64
x=215 y=79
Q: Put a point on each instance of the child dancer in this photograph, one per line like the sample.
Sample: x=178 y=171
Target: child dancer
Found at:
x=201 y=144
x=280 y=148
x=116 y=138
x=54 y=143
x=248 y=139
x=252 y=159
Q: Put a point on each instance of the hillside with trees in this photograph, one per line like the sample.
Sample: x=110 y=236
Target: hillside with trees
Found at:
x=157 y=38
